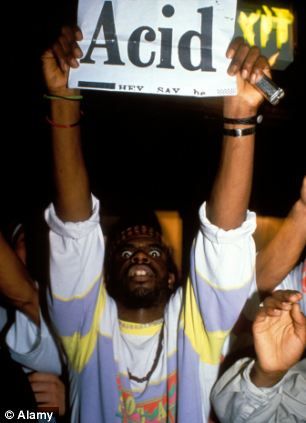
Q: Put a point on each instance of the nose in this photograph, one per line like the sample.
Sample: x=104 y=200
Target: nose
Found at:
x=140 y=257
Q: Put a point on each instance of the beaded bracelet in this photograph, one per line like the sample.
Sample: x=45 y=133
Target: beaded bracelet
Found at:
x=63 y=97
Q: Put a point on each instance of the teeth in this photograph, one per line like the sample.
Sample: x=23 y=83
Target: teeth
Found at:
x=140 y=273
x=136 y=271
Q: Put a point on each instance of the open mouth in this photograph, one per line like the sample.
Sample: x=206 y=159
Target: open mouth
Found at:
x=140 y=271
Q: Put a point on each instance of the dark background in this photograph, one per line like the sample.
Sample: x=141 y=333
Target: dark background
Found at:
x=161 y=151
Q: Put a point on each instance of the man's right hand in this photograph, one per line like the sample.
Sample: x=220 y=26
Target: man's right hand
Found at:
x=57 y=60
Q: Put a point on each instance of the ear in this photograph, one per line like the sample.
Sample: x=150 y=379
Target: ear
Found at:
x=171 y=281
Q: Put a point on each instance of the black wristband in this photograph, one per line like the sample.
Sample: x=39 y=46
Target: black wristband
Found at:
x=252 y=120
x=238 y=132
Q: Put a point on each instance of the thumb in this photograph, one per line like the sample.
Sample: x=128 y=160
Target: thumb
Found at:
x=299 y=321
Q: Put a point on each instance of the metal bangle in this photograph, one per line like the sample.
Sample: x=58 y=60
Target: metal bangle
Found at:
x=253 y=120
x=239 y=132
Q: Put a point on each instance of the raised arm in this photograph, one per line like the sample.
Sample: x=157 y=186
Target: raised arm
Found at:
x=277 y=259
x=72 y=201
x=231 y=191
x=266 y=229
x=16 y=286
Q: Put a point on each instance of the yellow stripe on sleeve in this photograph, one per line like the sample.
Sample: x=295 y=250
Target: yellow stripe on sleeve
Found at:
x=79 y=348
x=207 y=345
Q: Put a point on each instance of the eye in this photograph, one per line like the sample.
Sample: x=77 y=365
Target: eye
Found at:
x=126 y=254
x=155 y=253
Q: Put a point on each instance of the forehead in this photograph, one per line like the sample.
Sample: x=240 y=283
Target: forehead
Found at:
x=139 y=235
x=140 y=241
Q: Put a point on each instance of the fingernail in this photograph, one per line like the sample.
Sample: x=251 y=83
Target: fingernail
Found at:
x=244 y=74
x=230 y=53
x=258 y=78
x=233 y=69
x=74 y=63
x=78 y=52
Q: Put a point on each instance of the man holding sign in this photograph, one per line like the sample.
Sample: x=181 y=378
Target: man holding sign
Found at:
x=142 y=348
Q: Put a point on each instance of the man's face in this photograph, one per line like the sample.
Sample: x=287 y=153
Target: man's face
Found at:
x=140 y=275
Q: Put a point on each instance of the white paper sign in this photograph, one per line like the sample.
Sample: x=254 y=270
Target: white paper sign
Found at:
x=174 y=47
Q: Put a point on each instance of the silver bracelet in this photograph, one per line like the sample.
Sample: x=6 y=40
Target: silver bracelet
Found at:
x=239 y=132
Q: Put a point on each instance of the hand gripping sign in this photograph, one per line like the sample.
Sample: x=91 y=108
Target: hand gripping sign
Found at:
x=174 y=47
